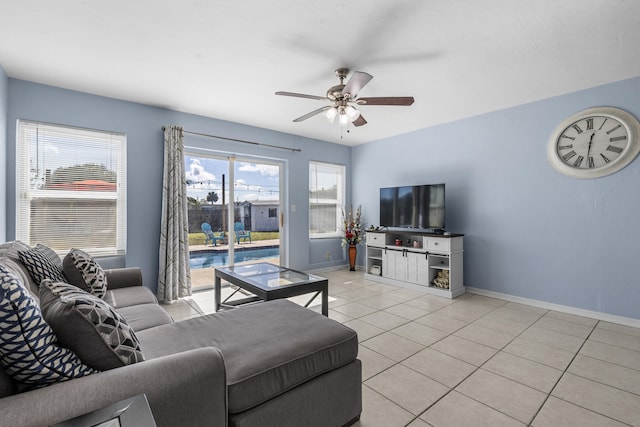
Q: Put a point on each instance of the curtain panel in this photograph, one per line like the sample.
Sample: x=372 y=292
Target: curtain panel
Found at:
x=174 y=274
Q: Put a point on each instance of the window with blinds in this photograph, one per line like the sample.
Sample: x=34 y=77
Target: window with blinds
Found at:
x=71 y=188
x=326 y=199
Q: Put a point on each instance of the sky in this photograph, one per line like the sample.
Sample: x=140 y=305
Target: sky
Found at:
x=253 y=181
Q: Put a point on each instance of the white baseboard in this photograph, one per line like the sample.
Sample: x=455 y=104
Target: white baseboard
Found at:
x=628 y=321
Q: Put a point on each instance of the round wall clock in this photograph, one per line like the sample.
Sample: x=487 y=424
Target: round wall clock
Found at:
x=595 y=142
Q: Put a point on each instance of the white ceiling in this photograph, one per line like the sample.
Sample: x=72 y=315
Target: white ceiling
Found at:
x=225 y=59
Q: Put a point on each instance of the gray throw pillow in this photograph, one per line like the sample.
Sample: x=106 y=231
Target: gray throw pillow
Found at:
x=82 y=270
x=89 y=327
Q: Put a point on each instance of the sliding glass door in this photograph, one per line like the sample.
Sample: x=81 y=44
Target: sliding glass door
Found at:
x=234 y=213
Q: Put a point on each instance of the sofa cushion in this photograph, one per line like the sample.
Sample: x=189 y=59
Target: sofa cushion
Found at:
x=29 y=352
x=10 y=250
x=268 y=348
x=39 y=267
x=144 y=316
x=90 y=327
x=132 y=295
x=82 y=270
x=16 y=268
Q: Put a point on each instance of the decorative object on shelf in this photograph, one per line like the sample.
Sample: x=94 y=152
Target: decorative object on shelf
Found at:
x=594 y=142
x=352 y=234
x=442 y=280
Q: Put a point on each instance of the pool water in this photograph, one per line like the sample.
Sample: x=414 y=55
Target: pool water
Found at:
x=220 y=258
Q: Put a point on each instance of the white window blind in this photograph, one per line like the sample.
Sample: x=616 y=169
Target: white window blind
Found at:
x=326 y=199
x=71 y=188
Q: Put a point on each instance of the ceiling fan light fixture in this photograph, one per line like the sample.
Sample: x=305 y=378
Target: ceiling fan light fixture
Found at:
x=344 y=117
x=352 y=112
x=331 y=114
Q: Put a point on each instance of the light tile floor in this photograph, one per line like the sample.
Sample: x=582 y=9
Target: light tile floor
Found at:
x=477 y=361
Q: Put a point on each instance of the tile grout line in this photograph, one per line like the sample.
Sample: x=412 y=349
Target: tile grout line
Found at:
x=480 y=366
x=562 y=376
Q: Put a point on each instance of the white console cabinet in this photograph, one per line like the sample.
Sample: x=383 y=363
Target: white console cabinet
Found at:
x=413 y=258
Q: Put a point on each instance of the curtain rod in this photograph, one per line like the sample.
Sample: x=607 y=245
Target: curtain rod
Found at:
x=240 y=140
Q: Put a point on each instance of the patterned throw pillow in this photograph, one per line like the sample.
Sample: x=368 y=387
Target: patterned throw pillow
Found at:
x=39 y=267
x=49 y=254
x=81 y=270
x=89 y=326
x=29 y=352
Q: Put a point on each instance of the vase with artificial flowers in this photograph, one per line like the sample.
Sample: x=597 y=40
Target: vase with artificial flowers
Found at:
x=352 y=233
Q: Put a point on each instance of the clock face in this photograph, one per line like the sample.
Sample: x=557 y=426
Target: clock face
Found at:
x=595 y=142
x=592 y=142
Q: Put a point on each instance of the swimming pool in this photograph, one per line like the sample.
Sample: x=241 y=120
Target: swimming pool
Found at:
x=219 y=258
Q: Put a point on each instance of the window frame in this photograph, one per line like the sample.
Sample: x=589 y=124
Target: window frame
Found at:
x=25 y=193
x=339 y=202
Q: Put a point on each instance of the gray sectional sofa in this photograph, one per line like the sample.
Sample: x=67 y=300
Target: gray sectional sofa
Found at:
x=268 y=364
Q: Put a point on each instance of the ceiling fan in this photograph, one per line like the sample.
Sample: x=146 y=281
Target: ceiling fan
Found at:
x=343 y=99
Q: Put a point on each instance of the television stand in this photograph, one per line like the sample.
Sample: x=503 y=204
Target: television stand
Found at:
x=417 y=259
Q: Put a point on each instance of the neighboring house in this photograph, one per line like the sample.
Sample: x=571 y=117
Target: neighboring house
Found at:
x=264 y=215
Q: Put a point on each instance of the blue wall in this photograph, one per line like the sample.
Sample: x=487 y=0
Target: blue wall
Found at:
x=4 y=85
x=529 y=231
x=142 y=125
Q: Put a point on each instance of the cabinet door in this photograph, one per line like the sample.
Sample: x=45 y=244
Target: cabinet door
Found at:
x=417 y=268
x=393 y=264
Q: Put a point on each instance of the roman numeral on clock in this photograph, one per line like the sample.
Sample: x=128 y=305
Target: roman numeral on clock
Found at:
x=577 y=128
x=591 y=163
x=590 y=123
x=578 y=161
x=614 y=149
x=613 y=129
x=565 y=147
x=605 y=121
x=618 y=138
x=605 y=158
x=569 y=155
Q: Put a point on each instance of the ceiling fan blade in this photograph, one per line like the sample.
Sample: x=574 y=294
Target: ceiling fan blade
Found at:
x=360 y=121
x=313 y=113
x=386 y=100
x=357 y=81
x=302 y=95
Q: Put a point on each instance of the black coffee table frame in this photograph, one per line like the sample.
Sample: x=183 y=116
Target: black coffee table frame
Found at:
x=267 y=282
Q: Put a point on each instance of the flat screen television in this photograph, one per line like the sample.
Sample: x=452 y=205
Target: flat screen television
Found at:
x=416 y=206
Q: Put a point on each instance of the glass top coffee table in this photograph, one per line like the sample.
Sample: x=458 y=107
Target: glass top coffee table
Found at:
x=267 y=282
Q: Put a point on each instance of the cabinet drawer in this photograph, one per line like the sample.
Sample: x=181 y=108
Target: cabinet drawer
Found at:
x=375 y=239
x=437 y=244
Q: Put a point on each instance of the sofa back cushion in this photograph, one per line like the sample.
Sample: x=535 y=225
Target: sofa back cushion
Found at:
x=10 y=250
x=90 y=327
x=18 y=270
x=29 y=351
x=82 y=270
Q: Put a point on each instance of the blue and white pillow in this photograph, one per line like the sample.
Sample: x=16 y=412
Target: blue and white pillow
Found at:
x=39 y=266
x=29 y=352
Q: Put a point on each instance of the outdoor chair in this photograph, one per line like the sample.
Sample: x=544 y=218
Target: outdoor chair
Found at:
x=241 y=233
x=210 y=236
